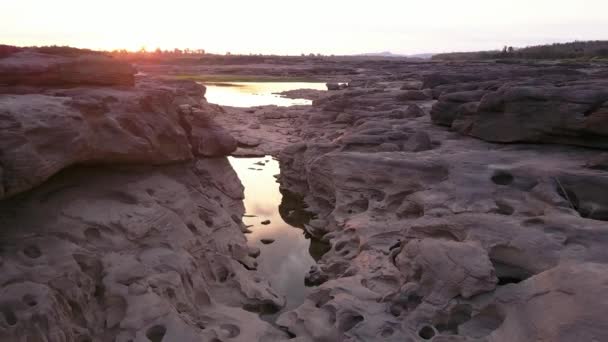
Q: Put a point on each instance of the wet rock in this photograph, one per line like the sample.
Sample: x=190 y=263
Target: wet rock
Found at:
x=333 y=86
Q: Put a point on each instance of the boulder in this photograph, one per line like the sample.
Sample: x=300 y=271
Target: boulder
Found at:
x=446 y=109
x=568 y=114
x=207 y=138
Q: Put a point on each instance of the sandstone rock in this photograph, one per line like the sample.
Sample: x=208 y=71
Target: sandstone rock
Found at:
x=448 y=107
x=133 y=253
x=207 y=138
x=414 y=111
x=412 y=95
x=445 y=269
x=43 y=134
x=245 y=141
x=418 y=142
x=568 y=114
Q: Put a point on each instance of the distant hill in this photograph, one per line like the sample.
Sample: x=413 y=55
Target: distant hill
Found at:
x=390 y=54
x=577 y=49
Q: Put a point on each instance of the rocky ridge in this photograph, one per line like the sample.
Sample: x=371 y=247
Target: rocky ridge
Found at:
x=439 y=236
x=120 y=214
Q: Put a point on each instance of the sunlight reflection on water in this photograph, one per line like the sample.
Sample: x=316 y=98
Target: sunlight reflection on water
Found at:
x=251 y=94
x=287 y=260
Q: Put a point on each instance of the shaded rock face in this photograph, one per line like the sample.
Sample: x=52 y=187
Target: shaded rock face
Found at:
x=29 y=68
x=551 y=110
x=46 y=132
x=572 y=114
x=449 y=237
x=120 y=254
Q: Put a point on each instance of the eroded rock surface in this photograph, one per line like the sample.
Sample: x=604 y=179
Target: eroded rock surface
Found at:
x=437 y=232
x=131 y=254
x=437 y=235
x=120 y=215
x=152 y=123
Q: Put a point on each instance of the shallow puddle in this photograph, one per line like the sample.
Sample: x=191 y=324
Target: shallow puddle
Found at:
x=251 y=94
x=288 y=258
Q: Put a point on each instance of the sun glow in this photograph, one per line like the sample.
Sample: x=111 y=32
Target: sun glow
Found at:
x=284 y=27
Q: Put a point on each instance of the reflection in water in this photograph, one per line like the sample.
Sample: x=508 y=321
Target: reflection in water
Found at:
x=250 y=94
x=286 y=261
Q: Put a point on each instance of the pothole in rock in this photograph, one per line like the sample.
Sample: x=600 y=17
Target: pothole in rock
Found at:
x=286 y=261
x=508 y=266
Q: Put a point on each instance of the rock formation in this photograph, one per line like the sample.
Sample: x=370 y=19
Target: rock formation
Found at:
x=436 y=235
x=462 y=202
x=114 y=228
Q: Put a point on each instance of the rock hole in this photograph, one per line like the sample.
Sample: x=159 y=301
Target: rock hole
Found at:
x=349 y=320
x=156 y=333
x=504 y=208
x=340 y=245
x=386 y=332
x=289 y=333
x=32 y=251
x=568 y=195
x=77 y=314
x=533 y=221
x=9 y=316
x=92 y=234
x=482 y=324
x=99 y=293
x=192 y=228
x=230 y=330
x=30 y=300
x=264 y=308
x=509 y=280
x=222 y=274
x=459 y=314
x=502 y=178
x=427 y=332
x=505 y=259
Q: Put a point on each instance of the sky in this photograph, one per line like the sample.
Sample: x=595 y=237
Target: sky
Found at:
x=294 y=27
